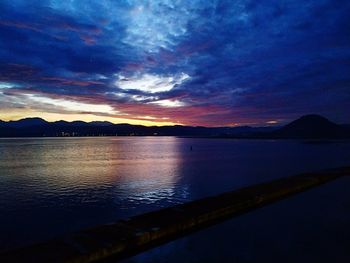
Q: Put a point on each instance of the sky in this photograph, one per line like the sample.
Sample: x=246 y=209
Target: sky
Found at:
x=209 y=63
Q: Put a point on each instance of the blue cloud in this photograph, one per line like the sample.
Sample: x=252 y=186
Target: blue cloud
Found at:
x=246 y=60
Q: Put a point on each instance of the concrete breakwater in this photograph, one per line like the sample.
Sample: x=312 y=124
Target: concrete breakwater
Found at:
x=128 y=237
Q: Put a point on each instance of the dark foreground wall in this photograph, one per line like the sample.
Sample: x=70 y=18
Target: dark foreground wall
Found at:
x=128 y=237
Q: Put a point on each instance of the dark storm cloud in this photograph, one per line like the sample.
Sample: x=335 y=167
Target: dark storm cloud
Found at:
x=246 y=61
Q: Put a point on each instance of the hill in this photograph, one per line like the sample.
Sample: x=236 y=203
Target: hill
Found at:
x=36 y=127
x=312 y=126
x=27 y=122
x=306 y=127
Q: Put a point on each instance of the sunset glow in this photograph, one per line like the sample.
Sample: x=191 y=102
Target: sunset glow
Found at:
x=211 y=63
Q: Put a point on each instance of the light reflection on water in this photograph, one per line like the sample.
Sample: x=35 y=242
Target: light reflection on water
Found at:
x=51 y=186
x=45 y=182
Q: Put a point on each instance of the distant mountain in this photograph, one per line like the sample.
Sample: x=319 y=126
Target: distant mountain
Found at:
x=82 y=123
x=28 y=122
x=312 y=126
x=101 y=123
x=36 y=127
x=306 y=127
x=70 y=124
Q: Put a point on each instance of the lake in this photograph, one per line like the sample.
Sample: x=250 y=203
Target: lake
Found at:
x=53 y=186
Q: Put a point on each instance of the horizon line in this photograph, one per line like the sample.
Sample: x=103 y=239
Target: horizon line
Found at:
x=266 y=124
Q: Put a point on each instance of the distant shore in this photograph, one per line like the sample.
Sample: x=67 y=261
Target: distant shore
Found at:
x=306 y=127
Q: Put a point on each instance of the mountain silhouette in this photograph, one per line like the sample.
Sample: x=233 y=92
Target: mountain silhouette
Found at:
x=27 y=122
x=312 y=126
x=36 y=127
x=306 y=127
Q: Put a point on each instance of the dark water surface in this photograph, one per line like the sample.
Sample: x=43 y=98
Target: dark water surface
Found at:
x=51 y=186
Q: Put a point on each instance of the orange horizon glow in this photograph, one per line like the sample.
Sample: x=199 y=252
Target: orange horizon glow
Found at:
x=52 y=117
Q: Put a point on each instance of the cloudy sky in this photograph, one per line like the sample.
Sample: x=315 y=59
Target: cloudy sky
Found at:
x=210 y=63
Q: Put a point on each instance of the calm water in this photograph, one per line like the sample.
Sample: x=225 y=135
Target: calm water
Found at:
x=49 y=187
